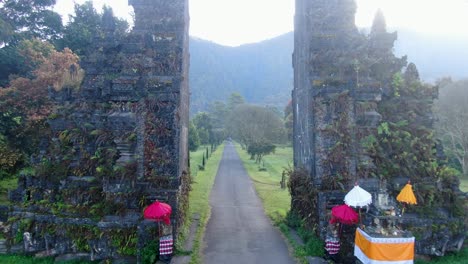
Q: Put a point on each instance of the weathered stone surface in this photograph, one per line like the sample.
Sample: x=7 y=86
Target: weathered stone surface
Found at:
x=327 y=86
x=3 y=214
x=72 y=257
x=116 y=144
x=340 y=78
x=3 y=247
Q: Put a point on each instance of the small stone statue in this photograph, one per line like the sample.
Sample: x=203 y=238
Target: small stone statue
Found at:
x=27 y=239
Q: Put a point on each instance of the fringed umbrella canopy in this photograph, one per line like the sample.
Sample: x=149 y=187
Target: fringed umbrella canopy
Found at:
x=358 y=197
x=344 y=214
x=158 y=212
x=407 y=195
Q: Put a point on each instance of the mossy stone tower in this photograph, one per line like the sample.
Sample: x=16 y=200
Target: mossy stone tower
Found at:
x=115 y=145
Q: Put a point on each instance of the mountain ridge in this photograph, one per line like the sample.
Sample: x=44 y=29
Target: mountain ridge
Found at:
x=262 y=72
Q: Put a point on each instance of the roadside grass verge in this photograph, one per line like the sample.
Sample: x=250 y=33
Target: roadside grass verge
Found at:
x=196 y=158
x=276 y=201
x=199 y=198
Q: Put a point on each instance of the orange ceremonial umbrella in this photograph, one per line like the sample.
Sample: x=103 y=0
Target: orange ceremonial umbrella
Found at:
x=407 y=195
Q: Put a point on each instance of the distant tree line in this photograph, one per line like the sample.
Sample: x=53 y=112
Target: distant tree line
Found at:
x=452 y=122
x=256 y=128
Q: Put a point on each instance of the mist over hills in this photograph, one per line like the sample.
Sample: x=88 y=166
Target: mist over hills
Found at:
x=435 y=56
x=262 y=72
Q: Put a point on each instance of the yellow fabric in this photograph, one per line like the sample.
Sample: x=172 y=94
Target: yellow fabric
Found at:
x=407 y=195
x=384 y=251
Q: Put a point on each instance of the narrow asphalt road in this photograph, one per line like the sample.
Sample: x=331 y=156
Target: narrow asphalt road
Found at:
x=238 y=230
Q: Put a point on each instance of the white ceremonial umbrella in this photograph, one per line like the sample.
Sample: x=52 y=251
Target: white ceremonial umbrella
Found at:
x=358 y=197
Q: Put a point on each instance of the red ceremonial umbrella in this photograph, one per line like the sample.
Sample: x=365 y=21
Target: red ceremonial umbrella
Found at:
x=158 y=212
x=344 y=214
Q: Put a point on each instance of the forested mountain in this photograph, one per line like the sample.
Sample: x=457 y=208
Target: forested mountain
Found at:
x=262 y=72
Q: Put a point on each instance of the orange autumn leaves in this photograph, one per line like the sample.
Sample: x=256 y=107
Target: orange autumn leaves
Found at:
x=28 y=97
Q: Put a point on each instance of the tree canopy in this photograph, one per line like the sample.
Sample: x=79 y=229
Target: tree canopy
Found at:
x=29 y=19
x=25 y=103
x=452 y=120
x=87 y=24
x=251 y=124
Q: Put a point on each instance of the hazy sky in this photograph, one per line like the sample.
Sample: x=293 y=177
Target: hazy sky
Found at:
x=235 y=22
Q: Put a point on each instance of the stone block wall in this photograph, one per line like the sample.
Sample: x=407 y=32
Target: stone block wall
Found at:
x=334 y=106
x=341 y=80
x=116 y=145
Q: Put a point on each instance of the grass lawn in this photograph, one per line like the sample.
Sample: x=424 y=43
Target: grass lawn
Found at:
x=11 y=259
x=203 y=181
x=196 y=159
x=458 y=258
x=5 y=185
x=276 y=201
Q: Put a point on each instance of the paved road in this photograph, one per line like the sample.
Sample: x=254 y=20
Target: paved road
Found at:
x=238 y=230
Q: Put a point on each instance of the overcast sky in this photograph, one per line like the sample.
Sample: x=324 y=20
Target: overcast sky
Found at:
x=235 y=22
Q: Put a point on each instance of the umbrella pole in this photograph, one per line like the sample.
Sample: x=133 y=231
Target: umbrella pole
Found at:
x=360 y=216
x=340 y=230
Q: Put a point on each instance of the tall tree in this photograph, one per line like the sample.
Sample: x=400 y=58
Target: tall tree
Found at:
x=193 y=138
x=78 y=34
x=19 y=20
x=218 y=112
x=87 y=24
x=204 y=125
x=452 y=113
x=25 y=103
x=234 y=100
x=251 y=124
x=29 y=18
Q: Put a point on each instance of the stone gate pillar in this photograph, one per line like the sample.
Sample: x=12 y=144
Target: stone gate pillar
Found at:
x=333 y=104
x=116 y=144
